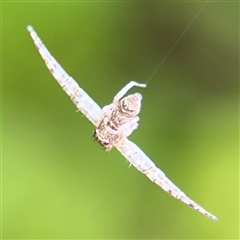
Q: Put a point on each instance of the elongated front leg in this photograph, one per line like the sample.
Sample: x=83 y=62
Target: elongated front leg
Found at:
x=125 y=89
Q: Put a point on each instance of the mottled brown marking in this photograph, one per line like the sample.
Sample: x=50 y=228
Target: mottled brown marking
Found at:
x=107 y=132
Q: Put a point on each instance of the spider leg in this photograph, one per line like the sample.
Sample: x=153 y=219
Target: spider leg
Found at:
x=144 y=164
x=126 y=129
x=106 y=109
x=125 y=89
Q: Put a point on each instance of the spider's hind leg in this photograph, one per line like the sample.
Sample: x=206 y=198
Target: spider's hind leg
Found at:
x=126 y=129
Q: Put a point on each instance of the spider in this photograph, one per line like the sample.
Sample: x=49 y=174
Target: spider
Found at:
x=114 y=123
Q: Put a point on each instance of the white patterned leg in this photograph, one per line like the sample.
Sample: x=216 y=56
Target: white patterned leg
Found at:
x=125 y=89
x=126 y=129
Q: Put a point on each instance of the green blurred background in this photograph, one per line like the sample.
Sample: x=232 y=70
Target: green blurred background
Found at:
x=58 y=183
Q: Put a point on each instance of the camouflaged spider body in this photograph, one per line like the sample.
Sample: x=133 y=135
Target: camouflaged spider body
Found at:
x=118 y=121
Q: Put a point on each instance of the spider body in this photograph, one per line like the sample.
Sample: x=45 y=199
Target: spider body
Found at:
x=118 y=121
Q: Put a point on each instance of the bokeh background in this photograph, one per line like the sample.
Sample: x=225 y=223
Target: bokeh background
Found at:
x=58 y=183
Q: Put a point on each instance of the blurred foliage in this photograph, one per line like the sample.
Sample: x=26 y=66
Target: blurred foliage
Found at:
x=58 y=183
